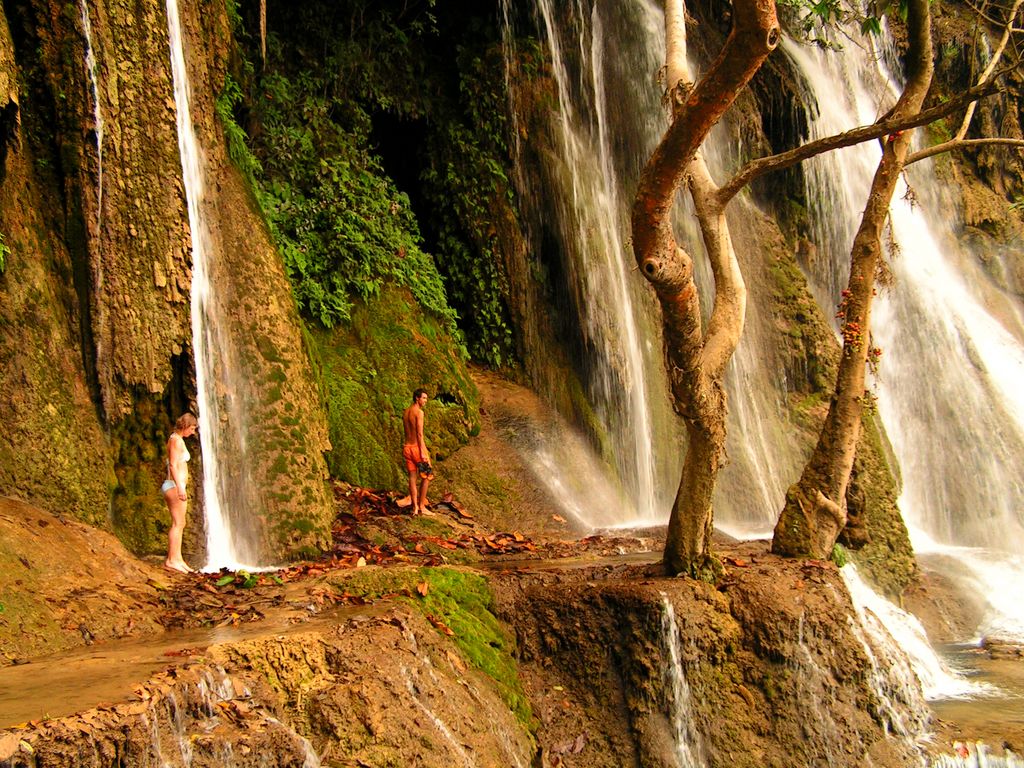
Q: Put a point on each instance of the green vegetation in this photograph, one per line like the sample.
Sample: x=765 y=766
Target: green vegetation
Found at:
x=464 y=181
x=365 y=370
x=819 y=15
x=237 y=140
x=4 y=253
x=839 y=555
x=456 y=601
x=312 y=151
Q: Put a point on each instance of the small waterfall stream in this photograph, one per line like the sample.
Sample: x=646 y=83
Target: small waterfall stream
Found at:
x=200 y=708
x=891 y=628
x=222 y=419
x=689 y=753
x=91 y=70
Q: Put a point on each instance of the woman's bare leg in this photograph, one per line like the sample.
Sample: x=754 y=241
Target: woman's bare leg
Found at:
x=174 y=559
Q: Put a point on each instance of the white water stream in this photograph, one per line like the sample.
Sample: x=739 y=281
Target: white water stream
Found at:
x=221 y=415
x=594 y=229
x=892 y=628
x=689 y=752
x=607 y=121
x=90 y=68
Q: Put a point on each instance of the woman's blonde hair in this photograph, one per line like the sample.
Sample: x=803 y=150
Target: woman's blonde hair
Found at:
x=185 y=421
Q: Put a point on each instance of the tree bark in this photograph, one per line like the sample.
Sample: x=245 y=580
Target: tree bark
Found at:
x=815 y=507
x=696 y=360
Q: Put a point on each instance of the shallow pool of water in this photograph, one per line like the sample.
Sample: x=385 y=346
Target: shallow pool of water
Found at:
x=107 y=673
x=996 y=718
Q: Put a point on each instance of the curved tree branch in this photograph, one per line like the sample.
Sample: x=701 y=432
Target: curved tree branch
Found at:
x=757 y=168
x=953 y=145
x=754 y=35
x=987 y=73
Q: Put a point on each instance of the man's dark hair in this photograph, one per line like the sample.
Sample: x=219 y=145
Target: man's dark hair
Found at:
x=417 y=393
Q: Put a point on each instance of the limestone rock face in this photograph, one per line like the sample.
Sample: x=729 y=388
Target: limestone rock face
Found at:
x=773 y=672
x=97 y=332
x=52 y=448
x=385 y=689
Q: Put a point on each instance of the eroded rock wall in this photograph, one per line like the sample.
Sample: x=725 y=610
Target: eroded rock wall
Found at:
x=98 y=342
x=379 y=689
x=776 y=676
x=53 y=451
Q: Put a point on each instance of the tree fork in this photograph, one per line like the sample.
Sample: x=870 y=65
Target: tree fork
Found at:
x=696 y=360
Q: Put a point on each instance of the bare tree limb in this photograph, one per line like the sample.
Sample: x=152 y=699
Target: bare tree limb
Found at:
x=956 y=144
x=987 y=73
x=757 y=168
x=749 y=42
x=263 y=31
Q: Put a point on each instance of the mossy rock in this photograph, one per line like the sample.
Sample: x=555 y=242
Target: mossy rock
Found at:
x=368 y=372
x=875 y=528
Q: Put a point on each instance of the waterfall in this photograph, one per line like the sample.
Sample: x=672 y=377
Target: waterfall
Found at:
x=199 y=707
x=604 y=56
x=949 y=383
x=592 y=219
x=976 y=756
x=227 y=496
x=689 y=753
x=892 y=628
x=90 y=68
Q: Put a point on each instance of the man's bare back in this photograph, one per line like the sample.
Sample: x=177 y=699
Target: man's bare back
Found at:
x=413 y=421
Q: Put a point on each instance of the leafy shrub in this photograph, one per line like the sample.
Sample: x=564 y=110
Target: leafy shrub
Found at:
x=340 y=223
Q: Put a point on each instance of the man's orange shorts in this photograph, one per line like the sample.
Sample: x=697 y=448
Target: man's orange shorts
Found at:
x=411 y=454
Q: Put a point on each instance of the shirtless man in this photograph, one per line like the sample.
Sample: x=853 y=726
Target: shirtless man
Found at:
x=417 y=460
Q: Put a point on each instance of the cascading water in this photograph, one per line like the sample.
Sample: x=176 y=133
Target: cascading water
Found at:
x=949 y=383
x=90 y=68
x=608 y=120
x=591 y=219
x=891 y=628
x=689 y=753
x=227 y=496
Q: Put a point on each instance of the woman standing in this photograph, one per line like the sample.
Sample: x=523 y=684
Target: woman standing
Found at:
x=174 y=489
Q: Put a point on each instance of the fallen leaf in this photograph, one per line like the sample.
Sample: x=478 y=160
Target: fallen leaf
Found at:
x=440 y=625
x=455 y=661
x=558 y=518
x=423 y=587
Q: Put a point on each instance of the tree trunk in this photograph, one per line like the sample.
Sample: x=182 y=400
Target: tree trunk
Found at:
x=696 y=361
x=815 y=509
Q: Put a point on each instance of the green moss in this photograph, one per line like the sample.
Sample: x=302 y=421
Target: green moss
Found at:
x=887 y=557
x=463 y=602
x=367 y=374
x=137 y=507
x=303 y=526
